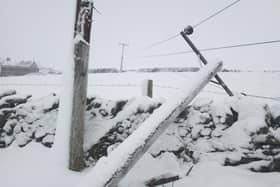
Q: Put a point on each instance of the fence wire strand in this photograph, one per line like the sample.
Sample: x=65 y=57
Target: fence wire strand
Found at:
x=157 y=86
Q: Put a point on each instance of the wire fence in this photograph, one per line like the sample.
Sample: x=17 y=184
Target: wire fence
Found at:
x=179 y=89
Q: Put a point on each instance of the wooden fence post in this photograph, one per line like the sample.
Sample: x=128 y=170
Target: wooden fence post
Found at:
x=110 y=170
x=147 y=88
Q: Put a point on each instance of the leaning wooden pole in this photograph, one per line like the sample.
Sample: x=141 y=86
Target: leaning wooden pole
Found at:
x=81 y=56
x=189 y=31
x=109 y=171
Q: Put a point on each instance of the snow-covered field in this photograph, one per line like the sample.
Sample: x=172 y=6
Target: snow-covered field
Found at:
x=34 y=165
x=128 y=85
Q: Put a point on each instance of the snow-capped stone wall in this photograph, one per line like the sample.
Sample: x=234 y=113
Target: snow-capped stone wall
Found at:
x=235 y=132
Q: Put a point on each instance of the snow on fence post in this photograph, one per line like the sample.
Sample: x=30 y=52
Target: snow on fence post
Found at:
x=109 y=171
x=147 y=88
x=62 y=135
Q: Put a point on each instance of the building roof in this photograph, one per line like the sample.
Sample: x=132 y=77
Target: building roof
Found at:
x=26 y=63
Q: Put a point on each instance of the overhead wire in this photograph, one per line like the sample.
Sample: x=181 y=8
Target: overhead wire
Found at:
x=215 y=14
x=213 y=48
x=161 y=41
x=194 y=26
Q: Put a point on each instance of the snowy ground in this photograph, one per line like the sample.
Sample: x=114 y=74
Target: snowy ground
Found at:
x=127 y=85
x=34 y=166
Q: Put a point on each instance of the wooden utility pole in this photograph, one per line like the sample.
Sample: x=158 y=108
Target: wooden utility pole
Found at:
x=188 y=31
x=109 y=171
x=123 y=45
x=82 y=34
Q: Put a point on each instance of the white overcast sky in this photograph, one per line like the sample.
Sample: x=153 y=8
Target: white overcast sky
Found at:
x=41 y=30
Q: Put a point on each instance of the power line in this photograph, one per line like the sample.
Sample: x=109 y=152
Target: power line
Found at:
x=194 y=26
x=215 y=14
x=96 y=10
x=162 y=41
x=214 y=48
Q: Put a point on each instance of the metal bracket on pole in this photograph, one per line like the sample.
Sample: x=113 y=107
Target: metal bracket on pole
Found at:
x=188 y=31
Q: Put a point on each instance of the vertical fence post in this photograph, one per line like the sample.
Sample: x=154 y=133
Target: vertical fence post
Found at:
x=147 y=88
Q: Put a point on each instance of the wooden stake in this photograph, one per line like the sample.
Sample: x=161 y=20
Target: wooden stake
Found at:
x=148 y=88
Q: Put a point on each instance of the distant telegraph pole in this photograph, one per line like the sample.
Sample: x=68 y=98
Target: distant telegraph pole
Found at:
x=123 y=45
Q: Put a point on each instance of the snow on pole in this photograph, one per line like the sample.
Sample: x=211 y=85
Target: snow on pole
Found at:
x=110 y=170
x=70 y=132
x=62 y=138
